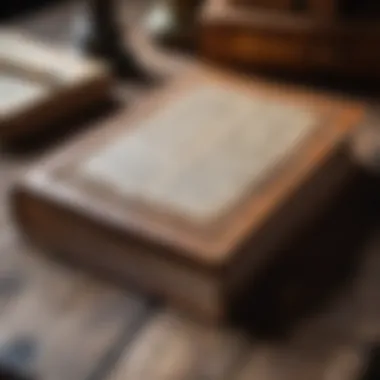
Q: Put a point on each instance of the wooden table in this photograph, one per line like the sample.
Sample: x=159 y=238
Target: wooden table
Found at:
x=58 y=323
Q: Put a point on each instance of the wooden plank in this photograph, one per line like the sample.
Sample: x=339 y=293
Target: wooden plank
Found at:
x=273 y=363
x=58 y=324
x=172 y=347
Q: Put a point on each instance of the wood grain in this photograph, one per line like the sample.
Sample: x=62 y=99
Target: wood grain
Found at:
x=65 y=324
x=172 y=347
x=286 y=363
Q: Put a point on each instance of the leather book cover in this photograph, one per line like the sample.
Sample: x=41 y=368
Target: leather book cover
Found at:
x=188 y=193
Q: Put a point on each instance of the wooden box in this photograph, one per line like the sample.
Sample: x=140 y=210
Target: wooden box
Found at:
x=40 y=84
x=314 y=40
x=192 y=191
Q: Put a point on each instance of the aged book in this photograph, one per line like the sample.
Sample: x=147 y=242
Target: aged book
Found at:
x=40 y=84
x=188 y=194
x=316 y=39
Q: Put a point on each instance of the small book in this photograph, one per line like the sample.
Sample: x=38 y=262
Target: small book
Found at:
x=40 y=84
x=190 y=192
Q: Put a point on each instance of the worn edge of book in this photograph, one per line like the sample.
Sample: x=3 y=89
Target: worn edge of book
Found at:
x=64 y=100
x=301 y=42
x=44 y=212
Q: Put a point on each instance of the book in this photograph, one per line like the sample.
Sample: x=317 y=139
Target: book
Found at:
x=315 y=40
x=188 y=194
x=39 y=84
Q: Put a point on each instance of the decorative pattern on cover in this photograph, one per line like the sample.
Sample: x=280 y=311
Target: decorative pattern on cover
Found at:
x=199 y=158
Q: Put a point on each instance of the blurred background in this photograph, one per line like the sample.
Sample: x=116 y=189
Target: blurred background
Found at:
x=313 y=312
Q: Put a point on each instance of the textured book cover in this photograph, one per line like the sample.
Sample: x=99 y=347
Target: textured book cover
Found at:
x=189 y=192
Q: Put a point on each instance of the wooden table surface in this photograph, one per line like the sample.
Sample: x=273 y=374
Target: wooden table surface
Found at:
x=324 y=291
